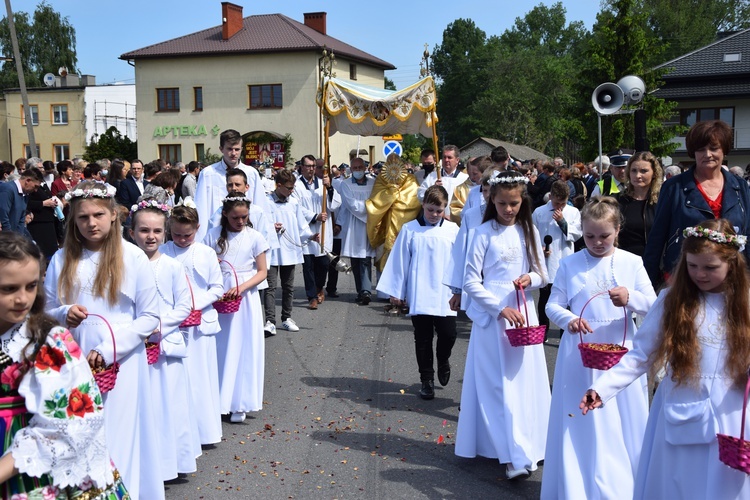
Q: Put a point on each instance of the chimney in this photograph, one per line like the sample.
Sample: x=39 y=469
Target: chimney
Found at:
x=316 y=21
x=231 y=20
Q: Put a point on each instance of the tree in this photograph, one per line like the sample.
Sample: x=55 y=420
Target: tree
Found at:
x=388 y=84
x=685 y=25
x=461 y=65
x=530 y=89
x=620 y=45
x=111 y=144
x=46 y=43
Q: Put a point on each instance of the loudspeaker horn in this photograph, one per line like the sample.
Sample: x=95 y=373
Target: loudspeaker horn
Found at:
x=633 y=88
x=607 y=98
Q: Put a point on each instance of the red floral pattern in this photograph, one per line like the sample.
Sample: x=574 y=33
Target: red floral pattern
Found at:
x=79 y=403
x=49 y=358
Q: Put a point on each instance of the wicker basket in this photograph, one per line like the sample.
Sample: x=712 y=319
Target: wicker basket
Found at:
x=153 y=349
x=194 y=318
x=228 y=306
x=602 y=356
x=733 y=451
x=106 y=378
x=527 y=335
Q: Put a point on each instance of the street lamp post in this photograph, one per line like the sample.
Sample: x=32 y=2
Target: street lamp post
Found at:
x=21 y=80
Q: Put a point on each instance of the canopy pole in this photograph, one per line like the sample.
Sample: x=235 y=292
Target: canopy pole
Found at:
x=326 y=170
x=438 y=168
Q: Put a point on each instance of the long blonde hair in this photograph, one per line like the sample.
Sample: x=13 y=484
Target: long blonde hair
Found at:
x=111 y=268
x=656 y=180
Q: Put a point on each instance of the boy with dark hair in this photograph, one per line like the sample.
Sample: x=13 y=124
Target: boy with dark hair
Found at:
x=559 y=226
x=413 y=276
x=211 y=187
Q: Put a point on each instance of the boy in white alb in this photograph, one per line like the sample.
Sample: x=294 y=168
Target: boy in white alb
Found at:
x=559 y=226
x=292 y=232
x=413 y=276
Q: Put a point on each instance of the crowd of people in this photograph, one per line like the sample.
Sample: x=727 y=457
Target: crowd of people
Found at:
x=160 y=290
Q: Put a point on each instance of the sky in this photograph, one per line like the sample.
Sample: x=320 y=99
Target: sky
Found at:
x=393 y=31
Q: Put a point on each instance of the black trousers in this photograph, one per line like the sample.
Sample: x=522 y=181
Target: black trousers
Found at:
x=315 y=272
x=425 y=328
x=544 y=294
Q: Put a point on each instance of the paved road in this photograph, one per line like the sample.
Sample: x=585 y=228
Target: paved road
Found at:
x=342 y=419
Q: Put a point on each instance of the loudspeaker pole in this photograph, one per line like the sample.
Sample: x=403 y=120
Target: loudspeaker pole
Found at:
x=601 y=167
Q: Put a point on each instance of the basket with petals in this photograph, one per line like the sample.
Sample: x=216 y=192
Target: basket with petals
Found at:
x=601 y=356
x=526 y=335
x=107 y=376
x=194 y=318
x=227 y=305
x=153 y=349
x=735 y=452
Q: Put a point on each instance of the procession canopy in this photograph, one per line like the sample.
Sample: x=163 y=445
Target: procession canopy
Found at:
x=355 y=109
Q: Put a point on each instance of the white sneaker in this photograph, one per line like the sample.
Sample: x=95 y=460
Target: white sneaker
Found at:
x=270 y=328
x=290 y=325
x=237 y=417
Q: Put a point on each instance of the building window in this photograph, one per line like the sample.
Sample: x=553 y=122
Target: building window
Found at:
x=168 y=99
x=690 y=117
x=352 y=72
x=27 y=150
x=200 y=152
x=61 y=152
x=265 y=96
x=198 y=97
x=34 y=115
x=170 y=152
x=60 y=114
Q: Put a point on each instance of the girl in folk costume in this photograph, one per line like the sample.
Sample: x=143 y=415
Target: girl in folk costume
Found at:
x=595 y=458
x=98 y=272
x=61 y=452
x=241 y=343
x=505 y=396
x=179 y=441
x=699 y=331
x=204 y=275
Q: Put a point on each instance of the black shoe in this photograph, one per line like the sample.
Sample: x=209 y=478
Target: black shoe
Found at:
x=333 y=294
x=444 y=373
x=428 y=390
x=366 y=298
x=358 y=300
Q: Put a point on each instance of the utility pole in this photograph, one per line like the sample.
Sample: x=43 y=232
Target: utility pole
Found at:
x=21 y=81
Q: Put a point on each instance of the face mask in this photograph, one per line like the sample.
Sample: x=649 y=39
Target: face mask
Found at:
x=358 y=174
x=428 y=168
x=103 y=173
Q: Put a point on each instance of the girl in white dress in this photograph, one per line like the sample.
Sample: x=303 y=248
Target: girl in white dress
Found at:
x=241 y=343
x=179 y=442
x=98 y=272
x=595 y=458
x=699 y=331
x=204 y=274
x=505 y=397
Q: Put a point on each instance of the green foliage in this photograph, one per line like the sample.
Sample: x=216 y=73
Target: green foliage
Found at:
x=461 y=63
x=413 y=144
x=209 y=158
x=620 y=45
x=46 y=42
x=388 y=84
x=686 y=25
x=111 y=144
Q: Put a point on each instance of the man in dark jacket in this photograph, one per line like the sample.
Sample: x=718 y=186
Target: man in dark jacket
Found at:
x=131 y=188
x=13 y=200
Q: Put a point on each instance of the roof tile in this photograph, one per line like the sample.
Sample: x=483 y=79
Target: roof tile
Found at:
x=266 y=33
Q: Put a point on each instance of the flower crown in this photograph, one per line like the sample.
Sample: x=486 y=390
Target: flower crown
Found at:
x=235 y=198
x=143 y=204
x=509 y=179
x=737 y=240
x=105 y=192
